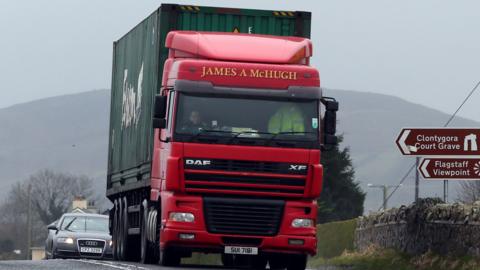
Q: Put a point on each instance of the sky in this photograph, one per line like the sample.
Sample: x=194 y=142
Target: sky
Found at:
x=426 y=51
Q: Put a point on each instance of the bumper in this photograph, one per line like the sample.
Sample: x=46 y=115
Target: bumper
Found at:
x=205 y=241
x=288 y=239
x=67 y=251
x=73 y=254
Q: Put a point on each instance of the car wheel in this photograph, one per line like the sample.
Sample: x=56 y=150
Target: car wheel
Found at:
x=52 y=255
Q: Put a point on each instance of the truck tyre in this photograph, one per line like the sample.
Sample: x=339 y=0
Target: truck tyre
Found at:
x=258 y=262
x=147 y=255
x=277 y=261
x=169 y=258
x=297 y=262
x=227 y=260
x=121 y=251
x=126 y=244
x=115 y=230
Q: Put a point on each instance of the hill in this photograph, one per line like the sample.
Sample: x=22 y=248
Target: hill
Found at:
x=70 y=133
x=64 y=133
x=370 y=124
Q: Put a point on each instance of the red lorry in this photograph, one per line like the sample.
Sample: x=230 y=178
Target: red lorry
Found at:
x=239 y=122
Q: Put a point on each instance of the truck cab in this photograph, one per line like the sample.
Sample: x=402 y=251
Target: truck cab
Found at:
x=239 y=126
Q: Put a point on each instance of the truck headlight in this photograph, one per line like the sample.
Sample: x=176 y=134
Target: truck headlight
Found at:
x=302 y=223
x=110 y=243
x=65 y=240
x=182 y=217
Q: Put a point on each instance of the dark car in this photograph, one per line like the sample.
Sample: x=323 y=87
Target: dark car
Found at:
x=79 y=236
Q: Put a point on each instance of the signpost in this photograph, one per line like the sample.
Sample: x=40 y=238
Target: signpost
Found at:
x=457 y=148
x=450 y=168
x=439 y=141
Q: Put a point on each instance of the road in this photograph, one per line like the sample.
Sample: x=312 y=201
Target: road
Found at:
x=88 y=265
x=101 y=265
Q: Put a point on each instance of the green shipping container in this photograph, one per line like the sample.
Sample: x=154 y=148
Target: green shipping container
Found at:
x=138 y=59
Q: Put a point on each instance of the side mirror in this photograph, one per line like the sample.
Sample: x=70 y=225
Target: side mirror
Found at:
x=159 y=112
x=330 y=121
x=52 y=227
x=160 y=108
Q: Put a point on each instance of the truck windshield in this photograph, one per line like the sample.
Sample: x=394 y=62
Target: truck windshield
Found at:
x=253 y=121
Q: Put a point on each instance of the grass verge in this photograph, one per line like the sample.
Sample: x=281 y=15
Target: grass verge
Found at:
x=386 y=259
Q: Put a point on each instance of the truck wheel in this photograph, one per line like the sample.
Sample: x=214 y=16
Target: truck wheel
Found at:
x=169 y=258
x=258 y=262
x=227 y=260
x=147 y=255
x=115 y=230
x=297 y=262
x=126 y=245
x=277 y=261
x=121 y=250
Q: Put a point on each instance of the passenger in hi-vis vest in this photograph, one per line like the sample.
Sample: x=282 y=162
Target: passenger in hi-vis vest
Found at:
x=289 y=118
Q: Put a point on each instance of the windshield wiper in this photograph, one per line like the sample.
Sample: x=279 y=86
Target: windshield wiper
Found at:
x=247 y=132
x=68 y=225
x=203 y=131
x=274 y=135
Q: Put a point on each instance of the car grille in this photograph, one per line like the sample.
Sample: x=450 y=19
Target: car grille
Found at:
x=243 y=216
x=92 y=244
x=240 y=177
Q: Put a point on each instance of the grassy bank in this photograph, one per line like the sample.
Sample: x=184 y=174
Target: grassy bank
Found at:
x=335 y=247
x=375 y=259
x=334 y=238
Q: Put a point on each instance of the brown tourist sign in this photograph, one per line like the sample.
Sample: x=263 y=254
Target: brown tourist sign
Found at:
x=439 y=141
x=450 y=168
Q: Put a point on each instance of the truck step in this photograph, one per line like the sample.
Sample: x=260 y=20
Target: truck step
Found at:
x=134 y=231
x=134 y=208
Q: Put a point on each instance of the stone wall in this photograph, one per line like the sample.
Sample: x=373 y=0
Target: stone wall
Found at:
x=423 y=226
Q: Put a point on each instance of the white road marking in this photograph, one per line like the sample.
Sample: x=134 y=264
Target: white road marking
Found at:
x=115 y=265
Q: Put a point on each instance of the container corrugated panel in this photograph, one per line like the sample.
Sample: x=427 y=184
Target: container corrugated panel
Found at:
x=134 y=84
x=138 y=59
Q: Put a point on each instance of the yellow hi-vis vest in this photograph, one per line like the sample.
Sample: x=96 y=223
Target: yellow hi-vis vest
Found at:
x=287 y=119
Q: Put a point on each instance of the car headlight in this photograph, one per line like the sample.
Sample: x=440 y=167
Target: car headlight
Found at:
x=182 y=217
x=65 y=240
x=302 y=223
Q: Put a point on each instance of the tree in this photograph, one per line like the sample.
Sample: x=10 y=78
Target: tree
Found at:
x=468 y=192
x=341 y=196
x=52 y=193
x=51 y=196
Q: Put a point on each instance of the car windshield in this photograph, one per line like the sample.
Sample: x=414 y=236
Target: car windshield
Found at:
x=252 y=121
x=85 y=224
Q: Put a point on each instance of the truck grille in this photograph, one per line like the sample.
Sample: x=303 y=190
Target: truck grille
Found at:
x=243 y=166
x=240 y=177
x=243 y=216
